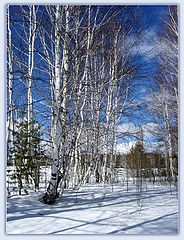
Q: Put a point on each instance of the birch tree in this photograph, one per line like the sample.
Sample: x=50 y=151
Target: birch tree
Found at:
x=167 y=82
x=80 y=63
x=31 y=43
x=59 y=106
x=10 y=126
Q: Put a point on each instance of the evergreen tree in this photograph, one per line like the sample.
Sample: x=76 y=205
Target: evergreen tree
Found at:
x=137 y=157
x=27 y=162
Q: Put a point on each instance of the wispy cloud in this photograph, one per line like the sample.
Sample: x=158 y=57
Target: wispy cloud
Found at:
x=125 y=147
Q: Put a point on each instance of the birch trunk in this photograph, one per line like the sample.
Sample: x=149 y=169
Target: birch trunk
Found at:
x=32 y=35
x=169 y=141
x=108 y=112
x=111 y=106
x=85 y=80
x=59 y=109
x=108 y=118
x=64 y=97
x=10 y=137
x=115 y=103
x=51 y=193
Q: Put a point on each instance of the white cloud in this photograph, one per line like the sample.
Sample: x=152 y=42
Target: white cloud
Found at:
x=154 y=146
x=127 y=128
x=124 y=147
x=149 y=131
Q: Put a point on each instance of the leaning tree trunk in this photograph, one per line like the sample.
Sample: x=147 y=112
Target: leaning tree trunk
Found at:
x=59 y=110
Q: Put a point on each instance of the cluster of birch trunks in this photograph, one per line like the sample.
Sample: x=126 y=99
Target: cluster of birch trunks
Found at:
x=76 y=71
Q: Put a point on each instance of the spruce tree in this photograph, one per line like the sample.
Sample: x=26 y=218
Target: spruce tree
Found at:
x=27 y=163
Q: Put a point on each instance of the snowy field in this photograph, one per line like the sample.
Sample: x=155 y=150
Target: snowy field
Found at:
x=95 y=209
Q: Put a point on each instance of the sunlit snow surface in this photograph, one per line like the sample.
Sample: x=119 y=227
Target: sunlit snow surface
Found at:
x=95 y=209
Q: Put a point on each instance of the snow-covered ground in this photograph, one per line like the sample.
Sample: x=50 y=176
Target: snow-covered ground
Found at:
x=95 y=209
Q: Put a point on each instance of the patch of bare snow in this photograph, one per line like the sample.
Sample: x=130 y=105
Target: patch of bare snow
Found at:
x=95 y=209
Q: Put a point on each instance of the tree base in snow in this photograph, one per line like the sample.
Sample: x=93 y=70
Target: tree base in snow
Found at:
x=49 y=198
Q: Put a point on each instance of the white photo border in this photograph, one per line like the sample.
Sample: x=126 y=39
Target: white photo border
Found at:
x=3 y=4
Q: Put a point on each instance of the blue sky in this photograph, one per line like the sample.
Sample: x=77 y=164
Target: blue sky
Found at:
x=151 y=17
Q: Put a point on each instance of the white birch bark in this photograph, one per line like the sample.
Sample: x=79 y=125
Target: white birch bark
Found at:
x=85 y=81
x=32 y=35
x=169 y=139
x=107 y=134
x=64 y=96
x=111 y=109
x=115 y=102
x=108 y=119
x=10 y=85
x=59 y=107
x=56 y=128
